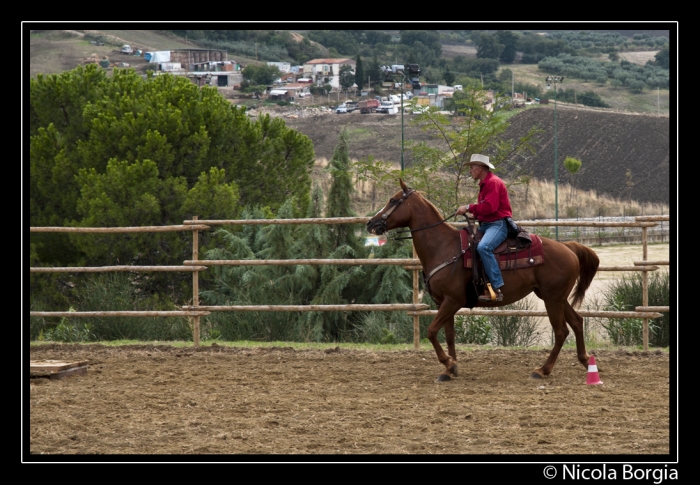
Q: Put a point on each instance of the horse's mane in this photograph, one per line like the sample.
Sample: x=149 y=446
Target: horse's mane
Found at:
x=431 y=205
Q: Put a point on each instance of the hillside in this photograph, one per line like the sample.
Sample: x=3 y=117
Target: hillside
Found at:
x=608 y=144
x=615 y=150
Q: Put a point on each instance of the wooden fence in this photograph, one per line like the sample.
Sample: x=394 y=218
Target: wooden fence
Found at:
x=416 y=309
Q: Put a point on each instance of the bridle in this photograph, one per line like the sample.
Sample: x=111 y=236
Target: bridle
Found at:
x=393 y=204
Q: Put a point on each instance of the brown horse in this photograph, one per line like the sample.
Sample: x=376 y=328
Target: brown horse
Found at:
x=565 y=265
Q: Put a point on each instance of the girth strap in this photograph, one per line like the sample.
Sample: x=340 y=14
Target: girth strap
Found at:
x=438 y=268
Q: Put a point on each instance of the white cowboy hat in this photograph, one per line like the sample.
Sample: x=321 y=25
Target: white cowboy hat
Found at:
x=481 y=160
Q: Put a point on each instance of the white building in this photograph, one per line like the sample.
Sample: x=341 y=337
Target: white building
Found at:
x=326 y=71
x=282 y=66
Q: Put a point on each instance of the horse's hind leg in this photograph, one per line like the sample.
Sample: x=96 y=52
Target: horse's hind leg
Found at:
x=575 y=321
x=555 y=311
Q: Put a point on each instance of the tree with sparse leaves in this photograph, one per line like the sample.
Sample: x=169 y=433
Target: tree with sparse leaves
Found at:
x=441 y=172
x=572 y=165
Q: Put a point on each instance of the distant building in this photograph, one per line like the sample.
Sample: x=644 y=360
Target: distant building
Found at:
x=289 y=92
x=282 y=66
x=327 y=71
x=202 y=66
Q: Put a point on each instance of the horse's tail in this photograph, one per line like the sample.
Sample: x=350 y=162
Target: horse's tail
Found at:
x=588 y=266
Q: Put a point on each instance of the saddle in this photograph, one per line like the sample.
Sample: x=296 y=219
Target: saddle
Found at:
x=522 y=251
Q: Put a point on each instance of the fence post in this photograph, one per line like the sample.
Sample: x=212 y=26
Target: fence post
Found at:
x=645 y=292
x=195 y=284
x=416 y=318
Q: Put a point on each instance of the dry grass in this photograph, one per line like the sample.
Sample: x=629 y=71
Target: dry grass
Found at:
x=530 y=202
x=538 y=202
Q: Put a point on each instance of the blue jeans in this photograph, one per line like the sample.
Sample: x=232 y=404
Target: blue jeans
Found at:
x=494 y=234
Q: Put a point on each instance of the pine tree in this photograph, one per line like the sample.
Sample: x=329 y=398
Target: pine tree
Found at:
x=340 y=194
x=339 y=284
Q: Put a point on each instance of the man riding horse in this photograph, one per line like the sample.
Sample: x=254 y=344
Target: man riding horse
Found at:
x=491 y=210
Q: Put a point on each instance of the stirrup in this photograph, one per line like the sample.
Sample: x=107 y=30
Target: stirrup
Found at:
x=492 y=295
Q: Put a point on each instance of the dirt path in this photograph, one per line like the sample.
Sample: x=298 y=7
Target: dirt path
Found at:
x=147 y=400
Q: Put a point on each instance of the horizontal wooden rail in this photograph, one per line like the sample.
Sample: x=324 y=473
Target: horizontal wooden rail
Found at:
x=104 y=269
x=651 y=263
x=627 y=268
x=537 y=313
x=363 y=220
x=318 y=220
x=584 y=224
x=313 y=308
x=600 y=268
x=662 y=309
x=193 y=227
x=652 y=218
x=409 y=264
x=282 y=262
x=175 y=313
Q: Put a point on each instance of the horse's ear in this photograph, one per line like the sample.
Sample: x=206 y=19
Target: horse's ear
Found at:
x=404 y=187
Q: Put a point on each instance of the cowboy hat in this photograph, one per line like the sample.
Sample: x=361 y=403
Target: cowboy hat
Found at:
x=481 y=160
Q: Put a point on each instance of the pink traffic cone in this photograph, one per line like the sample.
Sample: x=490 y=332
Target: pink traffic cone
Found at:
x=592 y=378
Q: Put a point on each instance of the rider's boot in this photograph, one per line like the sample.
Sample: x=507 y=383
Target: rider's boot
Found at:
x=491 y=295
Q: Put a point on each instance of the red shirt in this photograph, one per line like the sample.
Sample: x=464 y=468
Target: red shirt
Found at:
x=493 y=203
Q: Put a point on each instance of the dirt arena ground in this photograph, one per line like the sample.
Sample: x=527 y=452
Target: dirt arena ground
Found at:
x=141 y=400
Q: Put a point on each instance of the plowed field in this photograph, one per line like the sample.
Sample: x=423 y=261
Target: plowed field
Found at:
x=622 y=155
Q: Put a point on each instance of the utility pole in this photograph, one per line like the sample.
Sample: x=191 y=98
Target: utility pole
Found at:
x=555 y=80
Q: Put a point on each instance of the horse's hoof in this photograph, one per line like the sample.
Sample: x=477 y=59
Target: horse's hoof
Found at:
x=443 y=378
x=536 y=375
x=453 y=370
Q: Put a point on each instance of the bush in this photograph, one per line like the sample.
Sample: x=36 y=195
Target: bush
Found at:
x=516 y=331
x=506 y=331
x=116 y=292
x=383 y=328
x=625 y=294
x=473 y=329
x=625 y=331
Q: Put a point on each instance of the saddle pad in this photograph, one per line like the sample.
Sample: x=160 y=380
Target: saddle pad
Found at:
x=525 y=258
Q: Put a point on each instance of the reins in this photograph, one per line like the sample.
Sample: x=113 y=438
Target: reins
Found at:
x=421 y=228
x=395 y=204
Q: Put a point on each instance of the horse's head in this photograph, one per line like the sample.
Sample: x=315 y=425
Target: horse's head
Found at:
x=394 y=214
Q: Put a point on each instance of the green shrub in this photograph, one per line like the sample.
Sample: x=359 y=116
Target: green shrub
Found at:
x=515 y=330
x=624 y=294
x=116 y=292
x=625 y=331
x=383 y=328
x=68 y=332
x=473 y=329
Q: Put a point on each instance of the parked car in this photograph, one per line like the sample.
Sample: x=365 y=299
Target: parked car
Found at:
x=341 y=109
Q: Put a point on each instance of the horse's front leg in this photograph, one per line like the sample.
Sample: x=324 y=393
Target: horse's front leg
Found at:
x=450 y=340
x=445 y=317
